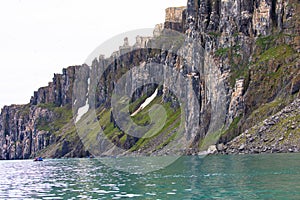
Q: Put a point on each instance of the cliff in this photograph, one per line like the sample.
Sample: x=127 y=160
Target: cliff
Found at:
x=232 y=68
x=175 y=18
x=28 y=129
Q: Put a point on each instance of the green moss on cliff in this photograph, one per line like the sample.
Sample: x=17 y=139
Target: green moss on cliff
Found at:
x=264 y=42
x=232 y=131
x=266 y=110
x=269 y=78
x=277 y=53
x=239 y=68
x=210 y=139
x=214 y=34
x=25 y=110
x=222 y=51
x=166 y=134
x=49 y=106
x=61 y=117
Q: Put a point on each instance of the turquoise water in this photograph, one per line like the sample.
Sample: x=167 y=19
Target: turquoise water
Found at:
x=212 y=177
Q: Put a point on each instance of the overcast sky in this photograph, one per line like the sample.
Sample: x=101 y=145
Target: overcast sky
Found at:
x=39 y=38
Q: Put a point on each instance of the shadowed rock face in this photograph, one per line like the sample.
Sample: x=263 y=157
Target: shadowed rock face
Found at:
x=238 y=58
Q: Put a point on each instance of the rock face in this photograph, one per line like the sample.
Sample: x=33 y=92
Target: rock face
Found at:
x=235 y=70
x=28 y=129
x=175 y=18
x=59 y=91
x=19 y=138
x=252 y=43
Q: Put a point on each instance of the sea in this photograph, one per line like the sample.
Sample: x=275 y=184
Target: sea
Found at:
x=270 y=176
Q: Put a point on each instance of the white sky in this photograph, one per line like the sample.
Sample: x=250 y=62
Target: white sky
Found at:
x=39 y=38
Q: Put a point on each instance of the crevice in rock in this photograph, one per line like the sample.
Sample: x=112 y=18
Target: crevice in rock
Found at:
x=209 y=10
x=273 y=13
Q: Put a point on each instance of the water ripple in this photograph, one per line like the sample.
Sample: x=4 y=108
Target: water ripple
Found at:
x=225 y=177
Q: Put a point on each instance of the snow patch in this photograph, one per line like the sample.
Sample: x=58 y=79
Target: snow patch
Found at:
x=81 y=111
x=146 y=103
x=84 y=109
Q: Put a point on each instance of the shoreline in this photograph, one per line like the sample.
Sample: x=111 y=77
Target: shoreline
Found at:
x=201 y=154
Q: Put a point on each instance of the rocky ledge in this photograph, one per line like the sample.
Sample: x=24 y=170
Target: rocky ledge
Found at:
x=279 y=133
